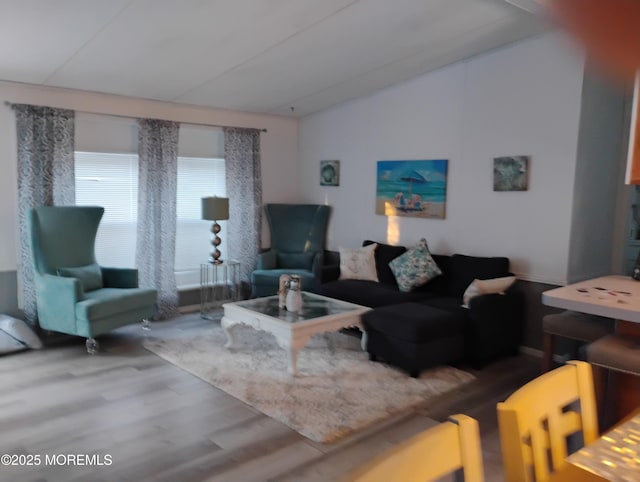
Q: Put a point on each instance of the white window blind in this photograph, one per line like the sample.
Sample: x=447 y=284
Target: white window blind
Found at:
x=111 y=181
x=197 y=178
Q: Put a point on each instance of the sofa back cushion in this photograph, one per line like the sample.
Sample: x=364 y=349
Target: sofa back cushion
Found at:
x=464 y=269
x=439 y=285
x=385 y=253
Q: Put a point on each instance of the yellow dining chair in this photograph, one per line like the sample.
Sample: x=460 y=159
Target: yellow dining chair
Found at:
x=452 y=446
x=536 y=421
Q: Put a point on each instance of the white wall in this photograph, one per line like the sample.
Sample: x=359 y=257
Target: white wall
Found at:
x=279 y=146
x=520 y=100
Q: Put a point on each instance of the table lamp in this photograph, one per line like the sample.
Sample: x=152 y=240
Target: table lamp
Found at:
x=215 y=209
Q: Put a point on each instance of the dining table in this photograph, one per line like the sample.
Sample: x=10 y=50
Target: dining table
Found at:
x=614 y=457
x=613 y=296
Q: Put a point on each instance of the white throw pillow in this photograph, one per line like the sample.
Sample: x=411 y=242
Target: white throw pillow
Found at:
x=487 y=287
x=358 y=263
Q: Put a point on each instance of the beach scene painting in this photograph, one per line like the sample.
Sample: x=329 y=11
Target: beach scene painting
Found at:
x=412 y=188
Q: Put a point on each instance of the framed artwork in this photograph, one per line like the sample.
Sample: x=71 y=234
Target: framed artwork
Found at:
x=329 y=173
x=416 y=189
x=511 y=173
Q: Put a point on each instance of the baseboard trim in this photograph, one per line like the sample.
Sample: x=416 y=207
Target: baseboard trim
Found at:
x=189 y=308
x=527 y=350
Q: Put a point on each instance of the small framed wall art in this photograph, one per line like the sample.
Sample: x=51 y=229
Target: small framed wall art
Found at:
x=511 y=173
x=329 y=173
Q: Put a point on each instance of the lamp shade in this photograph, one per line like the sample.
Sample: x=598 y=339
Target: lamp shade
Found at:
x=215 y=208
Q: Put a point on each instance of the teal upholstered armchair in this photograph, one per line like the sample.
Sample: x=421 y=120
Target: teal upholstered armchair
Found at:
x=75 y=295
x=298 y=237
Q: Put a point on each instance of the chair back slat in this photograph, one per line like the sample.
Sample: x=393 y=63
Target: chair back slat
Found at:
x=538 y=419
x=449 y=447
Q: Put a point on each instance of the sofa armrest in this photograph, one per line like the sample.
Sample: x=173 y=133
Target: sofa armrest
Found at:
x=331 y=268
x=56 y=298
x=119 y=277
x=495 y=325
x=267 y=260
x=330 y=272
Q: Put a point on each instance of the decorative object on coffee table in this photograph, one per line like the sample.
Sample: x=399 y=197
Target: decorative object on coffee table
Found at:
x=510 y=173
x=329 y=173
x=293 y=300
x=215 y=209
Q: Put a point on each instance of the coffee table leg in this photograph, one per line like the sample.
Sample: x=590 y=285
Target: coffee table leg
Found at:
x=292 y=347
x=363 y=341
x=226 y=326
x=293 y=361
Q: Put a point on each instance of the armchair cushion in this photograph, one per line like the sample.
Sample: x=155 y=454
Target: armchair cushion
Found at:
x=106 y=302
x=295 y=260
x=90 y=276
x=267 y=260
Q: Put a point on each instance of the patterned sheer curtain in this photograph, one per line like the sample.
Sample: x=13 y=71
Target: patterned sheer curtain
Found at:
x=244 y=190
x=157 y=186
x=45 y=138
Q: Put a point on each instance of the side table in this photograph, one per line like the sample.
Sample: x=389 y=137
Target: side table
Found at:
x=219 y=283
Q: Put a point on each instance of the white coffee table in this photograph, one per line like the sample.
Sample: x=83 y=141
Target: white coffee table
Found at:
x=319 y=314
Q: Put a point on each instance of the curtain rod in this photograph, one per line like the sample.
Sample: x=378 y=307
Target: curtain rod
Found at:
x=10 y=104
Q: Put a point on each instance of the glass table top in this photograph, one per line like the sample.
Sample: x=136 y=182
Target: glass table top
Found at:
x=313 y=306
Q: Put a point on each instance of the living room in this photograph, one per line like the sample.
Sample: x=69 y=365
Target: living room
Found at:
x=532 y=96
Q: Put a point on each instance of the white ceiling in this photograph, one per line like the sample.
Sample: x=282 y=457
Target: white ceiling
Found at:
x=250 y=55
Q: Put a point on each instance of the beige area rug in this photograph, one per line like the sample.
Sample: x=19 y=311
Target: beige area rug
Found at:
x=336 y=392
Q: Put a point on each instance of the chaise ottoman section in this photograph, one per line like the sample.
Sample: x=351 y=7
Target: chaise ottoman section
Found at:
x=413 y=336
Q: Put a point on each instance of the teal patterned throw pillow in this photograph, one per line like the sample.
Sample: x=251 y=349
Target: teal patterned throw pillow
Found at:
x=415 y=267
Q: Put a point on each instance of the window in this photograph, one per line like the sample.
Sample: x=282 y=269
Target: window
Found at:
x=197 y=178
x=111 y=181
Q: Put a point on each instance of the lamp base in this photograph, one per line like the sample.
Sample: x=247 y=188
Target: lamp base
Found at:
x=215 y=242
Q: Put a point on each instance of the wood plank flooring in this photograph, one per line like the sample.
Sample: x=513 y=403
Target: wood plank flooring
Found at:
x=159 y=423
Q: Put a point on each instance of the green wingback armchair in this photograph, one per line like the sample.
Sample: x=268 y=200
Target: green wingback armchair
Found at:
x=298 y=238
x=74 y=295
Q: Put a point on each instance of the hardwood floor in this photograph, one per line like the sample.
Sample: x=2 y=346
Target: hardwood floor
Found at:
x=159 y=423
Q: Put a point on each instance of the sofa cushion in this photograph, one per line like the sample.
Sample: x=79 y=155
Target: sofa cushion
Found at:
x=368 y=293
x=295 y=260
x=106 y=302
x=415 y=267
x=359 y=263
x=90 y=276
x=413 y=322
x=464 y=269
x=385 y=253
x=486 y=287
x=440 y=284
